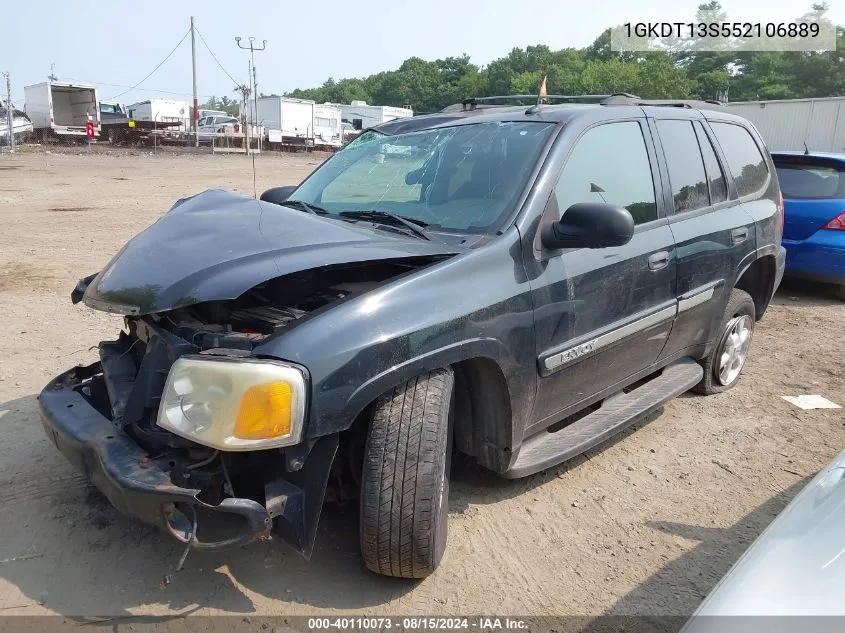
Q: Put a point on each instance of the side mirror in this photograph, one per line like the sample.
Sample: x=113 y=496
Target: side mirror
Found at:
x=278 y=195
x=590 y=225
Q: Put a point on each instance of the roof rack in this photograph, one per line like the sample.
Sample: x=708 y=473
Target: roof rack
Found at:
x=474 y=103
x=697 y=104
x=617 y=98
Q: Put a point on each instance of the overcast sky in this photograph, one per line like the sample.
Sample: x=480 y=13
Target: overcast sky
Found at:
x=115 y=45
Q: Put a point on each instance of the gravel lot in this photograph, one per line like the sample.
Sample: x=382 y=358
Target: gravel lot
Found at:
x=646 y=524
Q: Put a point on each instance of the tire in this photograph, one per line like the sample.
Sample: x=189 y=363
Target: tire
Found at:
x=405 y=479
x=840 y=292
x=739 y=316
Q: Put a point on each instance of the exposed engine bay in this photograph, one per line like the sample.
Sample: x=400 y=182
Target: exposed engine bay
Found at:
x=134 y=368
x=270 y=307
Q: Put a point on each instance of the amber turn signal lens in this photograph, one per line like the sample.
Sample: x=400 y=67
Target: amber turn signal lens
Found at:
x=265 y=412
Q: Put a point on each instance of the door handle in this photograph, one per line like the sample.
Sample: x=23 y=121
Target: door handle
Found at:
x=738 y=236
x=658 y=260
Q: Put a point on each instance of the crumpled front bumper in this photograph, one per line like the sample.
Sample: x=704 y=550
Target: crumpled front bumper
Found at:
x=133 y=483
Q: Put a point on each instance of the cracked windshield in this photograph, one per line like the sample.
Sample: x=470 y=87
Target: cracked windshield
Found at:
x=459 y=178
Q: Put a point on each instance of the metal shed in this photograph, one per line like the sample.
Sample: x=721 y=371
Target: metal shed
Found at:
x=789 y=124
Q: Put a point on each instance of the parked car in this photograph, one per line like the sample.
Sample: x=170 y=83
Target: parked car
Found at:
x=529 y=283
x=208 y=127
x=22 y=128
x=796 y=567
x=813 y=186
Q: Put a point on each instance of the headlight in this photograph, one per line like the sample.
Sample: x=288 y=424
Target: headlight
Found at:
x=234 y=404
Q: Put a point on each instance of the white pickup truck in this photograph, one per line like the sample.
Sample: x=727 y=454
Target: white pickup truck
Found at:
x=208 y=127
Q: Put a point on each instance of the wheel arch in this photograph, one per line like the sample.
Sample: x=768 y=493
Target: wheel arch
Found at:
x=484 y=414
x=758 y=279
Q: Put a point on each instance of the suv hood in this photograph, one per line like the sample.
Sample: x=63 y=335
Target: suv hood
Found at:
x=216 y=245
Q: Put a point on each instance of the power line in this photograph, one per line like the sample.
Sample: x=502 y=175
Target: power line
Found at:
x=156 y=68
x=202 y=39
x=113 y=85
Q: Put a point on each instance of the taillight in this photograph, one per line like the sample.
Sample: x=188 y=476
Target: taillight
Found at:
x=781 y=212
x=837 y=223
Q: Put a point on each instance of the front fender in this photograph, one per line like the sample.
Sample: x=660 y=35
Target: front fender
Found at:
x=476 y=305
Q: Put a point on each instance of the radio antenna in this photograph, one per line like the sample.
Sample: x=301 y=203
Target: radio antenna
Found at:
x=254 y=187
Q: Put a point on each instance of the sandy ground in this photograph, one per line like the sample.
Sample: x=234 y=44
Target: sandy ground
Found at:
x=646 y=524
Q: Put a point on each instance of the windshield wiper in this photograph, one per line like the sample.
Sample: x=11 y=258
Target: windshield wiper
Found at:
x=385 y=217
x=304 y=206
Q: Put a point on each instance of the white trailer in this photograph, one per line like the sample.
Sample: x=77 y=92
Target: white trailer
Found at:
x=293 y=118
x=163 y=110
x=59 y=109
x=362 y=116
x=791 y=123
x=327 y=125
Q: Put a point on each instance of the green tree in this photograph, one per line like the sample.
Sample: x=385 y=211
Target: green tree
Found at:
x=681 y=69
x=660 y=78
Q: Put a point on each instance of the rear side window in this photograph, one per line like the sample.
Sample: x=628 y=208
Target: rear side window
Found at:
x=802 y=180
x=715 y=176
x=610 y=164
x=686 y=168
x=745 y=161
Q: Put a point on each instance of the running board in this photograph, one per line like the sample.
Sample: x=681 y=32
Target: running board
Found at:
x=617 y=412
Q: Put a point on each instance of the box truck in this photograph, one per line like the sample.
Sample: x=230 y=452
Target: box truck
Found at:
x=61 y=110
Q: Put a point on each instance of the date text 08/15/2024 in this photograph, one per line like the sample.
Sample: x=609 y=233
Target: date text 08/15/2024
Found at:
x=417 y=623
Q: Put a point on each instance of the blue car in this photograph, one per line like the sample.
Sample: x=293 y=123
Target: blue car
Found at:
x=813 y=186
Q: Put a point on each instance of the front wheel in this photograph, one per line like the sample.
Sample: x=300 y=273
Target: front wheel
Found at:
x=724 y=364
x=405 y=479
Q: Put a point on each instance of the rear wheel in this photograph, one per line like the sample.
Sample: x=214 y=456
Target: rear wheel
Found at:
x=405 y=478
x=724 y=364
x=840 y=292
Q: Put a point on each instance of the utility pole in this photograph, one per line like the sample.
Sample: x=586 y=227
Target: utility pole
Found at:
x=244 y=89
x=255 y=101
x=252 y=48
x=10 y=118
x=195 y=117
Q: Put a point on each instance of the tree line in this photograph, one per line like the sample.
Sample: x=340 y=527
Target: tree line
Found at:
x=673 y=73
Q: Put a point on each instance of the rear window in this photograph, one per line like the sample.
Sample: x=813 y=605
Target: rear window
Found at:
x=745 y=161
x=809 y=181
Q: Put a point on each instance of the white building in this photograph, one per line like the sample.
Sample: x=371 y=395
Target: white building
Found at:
x=789 y=124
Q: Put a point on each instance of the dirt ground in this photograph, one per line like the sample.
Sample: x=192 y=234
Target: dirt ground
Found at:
x=645 y=524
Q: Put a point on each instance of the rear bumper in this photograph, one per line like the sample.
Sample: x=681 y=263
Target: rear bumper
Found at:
x=821 y=256
x=124 y=472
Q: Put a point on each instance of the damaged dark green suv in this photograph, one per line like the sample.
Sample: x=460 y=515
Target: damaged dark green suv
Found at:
x=513 y=283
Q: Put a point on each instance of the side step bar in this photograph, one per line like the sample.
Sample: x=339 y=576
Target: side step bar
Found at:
x=617 y=412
